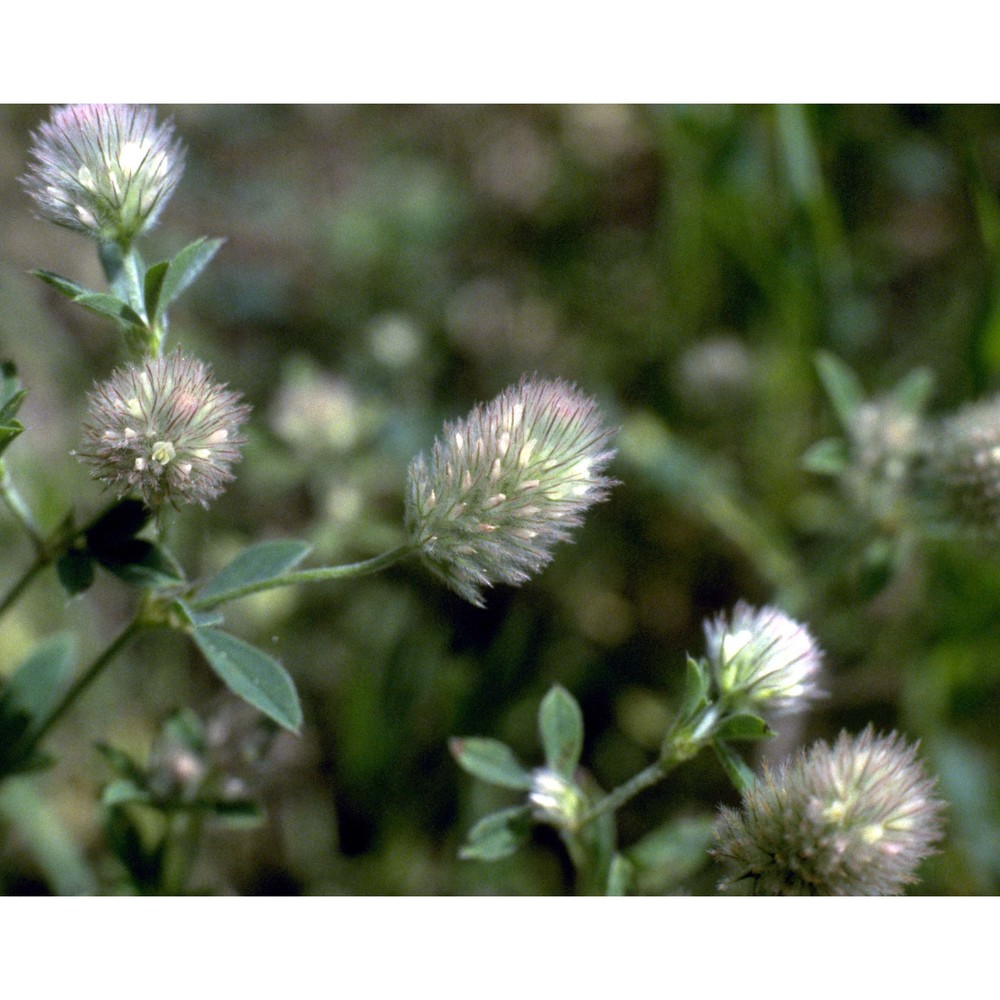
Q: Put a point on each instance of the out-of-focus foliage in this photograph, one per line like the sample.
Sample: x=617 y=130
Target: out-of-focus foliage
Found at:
x=385 y=268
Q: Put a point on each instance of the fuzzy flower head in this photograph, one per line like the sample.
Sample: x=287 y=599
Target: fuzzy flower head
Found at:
x=963 y=467
x=855 y=819
x=105 y=170
x=161 y=430
x=503 y=486
x=762 y=659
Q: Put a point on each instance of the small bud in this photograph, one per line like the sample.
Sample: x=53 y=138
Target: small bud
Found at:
x=161 y=430
x=105 y=170
x=506 y=484
x=554 y=799
x=852 y=820
x=962 y=470
x=762 y=659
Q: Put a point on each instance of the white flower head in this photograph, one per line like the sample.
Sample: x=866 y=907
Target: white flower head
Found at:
x=105 y=170
x=761 y=658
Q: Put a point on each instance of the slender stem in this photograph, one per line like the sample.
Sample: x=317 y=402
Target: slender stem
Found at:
x=347 y=571
x=84 y=681
x=180 y=849
x=682 y=743
x=15 y=592
x=49 y=550
x=616 y=799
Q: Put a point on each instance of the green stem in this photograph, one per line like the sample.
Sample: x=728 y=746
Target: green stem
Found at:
x=683 y=743
x=15 y=592
x=50 y=549
x=321 y=573
x=180 y=850
x=614 y=800
x=84 y=681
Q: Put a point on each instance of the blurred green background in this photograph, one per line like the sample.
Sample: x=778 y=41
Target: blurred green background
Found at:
x=388 y=267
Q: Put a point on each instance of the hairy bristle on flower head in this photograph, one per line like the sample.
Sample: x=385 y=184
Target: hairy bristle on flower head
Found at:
x=503 y=486
x=854 y=819
x=105 y=170
x=163 y=431
x=962 y=469
x=762 y=660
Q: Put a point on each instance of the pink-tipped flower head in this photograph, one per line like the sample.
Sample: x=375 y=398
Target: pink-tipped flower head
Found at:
x=105 y=170
x=163 y=431
x=854 y=819
x=503 y=486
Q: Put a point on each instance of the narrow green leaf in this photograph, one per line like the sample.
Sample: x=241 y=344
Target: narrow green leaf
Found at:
x=743 y=726
x=153 y=288
x=111 y=307
x=498 y=835
x=560 y=723
x=75 y=570
x=696 y=688
x=121 y=763
x=490 y=761
x=254 y=675
x=735 y=766
x=8 y=431
x=65 y=286
x=842 y=386
x=183 y=269
x=828 y=457
x=259 y=563
x=102 y=303
x=12 y=393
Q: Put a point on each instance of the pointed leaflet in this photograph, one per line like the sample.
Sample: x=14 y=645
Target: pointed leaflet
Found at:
x=842 y=386
x=560 y=723
x=109 y=306
x=257 y=564
x=255 y=676
x=498 y=835
x=168 y=279
x=490 y=761
x=735 y=766
x=11 y=396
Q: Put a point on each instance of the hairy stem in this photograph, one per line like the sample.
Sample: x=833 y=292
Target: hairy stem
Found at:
x=615 y=799
x=321 y=573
